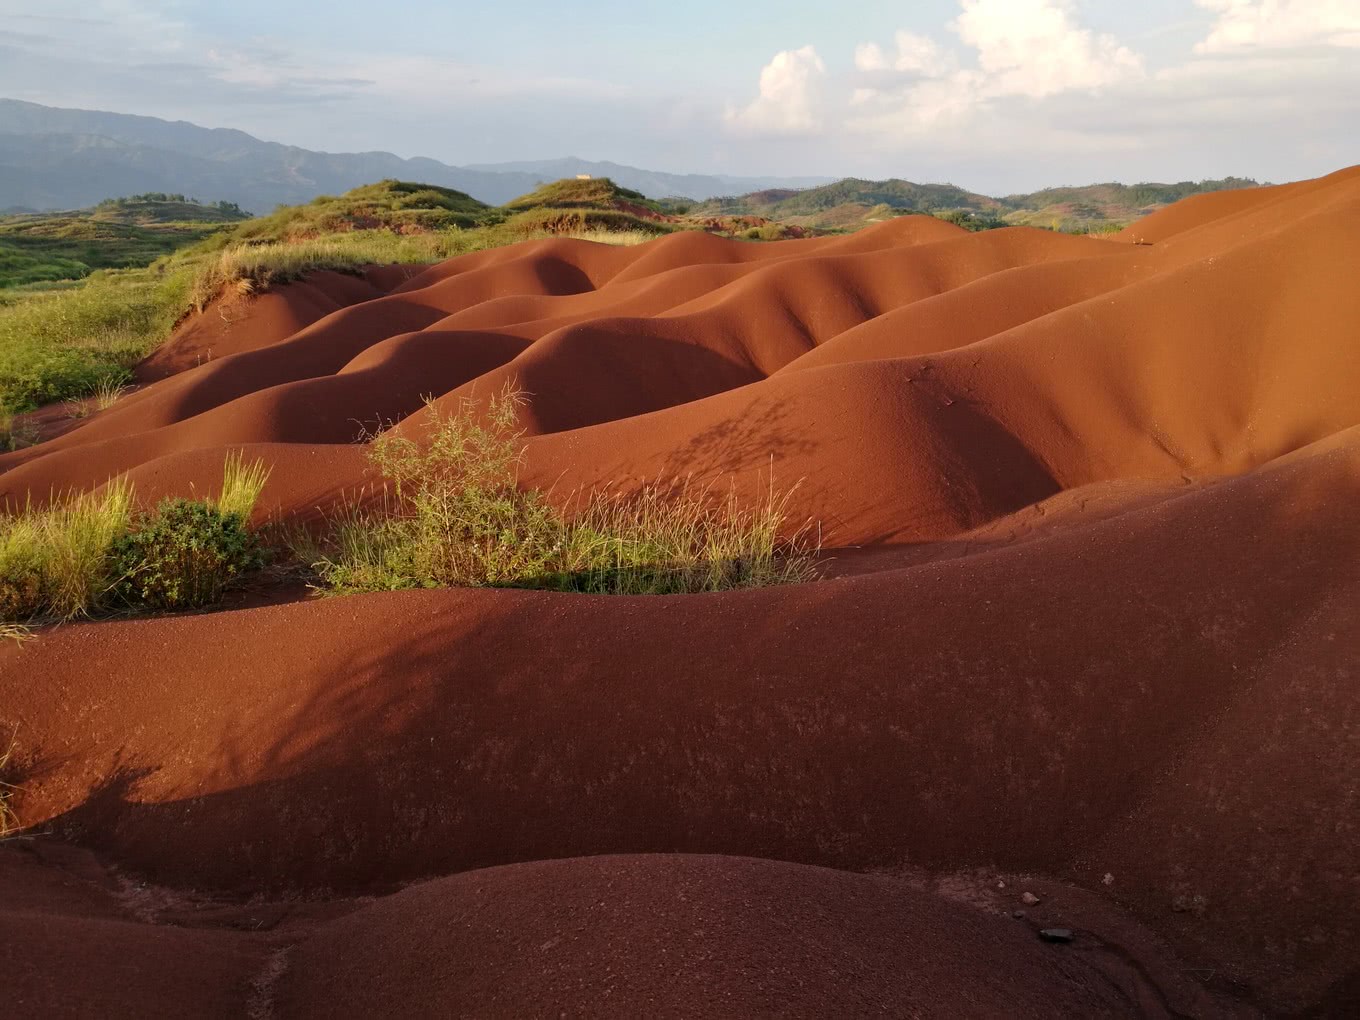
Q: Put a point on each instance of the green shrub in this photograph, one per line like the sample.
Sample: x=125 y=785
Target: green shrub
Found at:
x=970 y=220
x=184 y=555
x=766 y=232
x=455 y=514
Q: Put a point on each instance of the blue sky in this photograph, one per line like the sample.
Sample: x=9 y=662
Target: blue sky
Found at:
x=998 y=95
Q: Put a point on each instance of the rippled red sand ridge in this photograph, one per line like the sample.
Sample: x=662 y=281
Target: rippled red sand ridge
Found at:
x=1091 y=508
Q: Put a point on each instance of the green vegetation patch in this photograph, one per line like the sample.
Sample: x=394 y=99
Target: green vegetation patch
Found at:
x=159 y=207
x=590 y=193
x=456 y=515
x=971 y=220
x=63 y=343
x=851 y=203
x=96 y=552
x=548 y=220
x=184 y=555
x=253 y=268
x=120 y=233
x=390 y=205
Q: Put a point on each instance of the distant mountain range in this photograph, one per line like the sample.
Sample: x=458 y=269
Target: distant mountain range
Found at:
x=54 y=158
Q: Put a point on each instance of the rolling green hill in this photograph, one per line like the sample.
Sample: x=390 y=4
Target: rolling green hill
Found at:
x=587 y=193
x=118 y=233
x=398 y=206
x=852 y=203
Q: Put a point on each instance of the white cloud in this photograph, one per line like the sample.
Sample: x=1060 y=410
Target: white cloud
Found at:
x=1020 y=48
x=916 y=54
x=790 y=97
x=870 y=57
x=1280 y=24
x=1029 y=81
x=428 y=81
x=1034 y=48
x=140 y=28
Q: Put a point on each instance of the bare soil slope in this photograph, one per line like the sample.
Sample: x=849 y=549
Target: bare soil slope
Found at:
x=1091 y=614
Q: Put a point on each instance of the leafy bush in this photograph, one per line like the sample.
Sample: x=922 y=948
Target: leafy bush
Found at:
x=187 y=553
x=184 y=556
x=765 y=232
x=970 y=220
x=456 y=515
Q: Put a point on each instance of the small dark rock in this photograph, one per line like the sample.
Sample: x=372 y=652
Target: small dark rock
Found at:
x=1056 y=934
x=1019 y=915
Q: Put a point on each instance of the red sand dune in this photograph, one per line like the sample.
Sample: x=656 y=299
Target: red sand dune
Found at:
x=1092 y=610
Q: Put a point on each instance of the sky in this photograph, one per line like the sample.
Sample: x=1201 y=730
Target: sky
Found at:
x=995 y=95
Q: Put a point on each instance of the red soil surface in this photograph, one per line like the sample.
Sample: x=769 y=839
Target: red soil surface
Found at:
x=1092 y=613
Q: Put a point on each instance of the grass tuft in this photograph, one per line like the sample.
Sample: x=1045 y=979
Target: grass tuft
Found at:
x=15 y=434
x=672 y=539
x=16 y=632
x=254 y=268
x=105 y=394
x=241 y=485
x=621 y=238
x=55 y=563
x=9 y=821
x=109 y=390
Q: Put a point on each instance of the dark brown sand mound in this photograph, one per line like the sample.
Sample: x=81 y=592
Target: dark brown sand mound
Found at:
x=1091 y=509
x=625 y=936
x=708 y=937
